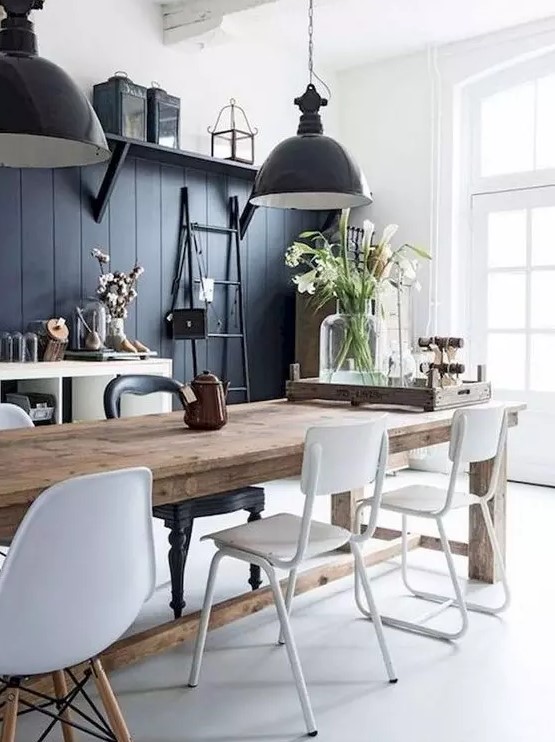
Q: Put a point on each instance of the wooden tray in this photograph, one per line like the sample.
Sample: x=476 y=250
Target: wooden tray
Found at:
x=107 y=355
x=419 y=397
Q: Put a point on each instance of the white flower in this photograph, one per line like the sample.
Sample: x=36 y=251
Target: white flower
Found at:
x=389 y=232
x=294 y=254
x=100 y=256
x=305 y=282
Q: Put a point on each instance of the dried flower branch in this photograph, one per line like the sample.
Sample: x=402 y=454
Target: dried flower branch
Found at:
x=116 y=290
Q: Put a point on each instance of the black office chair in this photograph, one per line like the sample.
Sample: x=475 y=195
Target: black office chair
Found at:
x=179 y=517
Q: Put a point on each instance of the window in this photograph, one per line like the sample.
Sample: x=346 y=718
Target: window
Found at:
x=517 y=128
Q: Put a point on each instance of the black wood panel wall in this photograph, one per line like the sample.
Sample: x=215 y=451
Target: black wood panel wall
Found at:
x=47 y=233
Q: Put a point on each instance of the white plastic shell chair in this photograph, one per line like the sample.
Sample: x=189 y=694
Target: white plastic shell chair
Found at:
x=80 y=568
x=336 y=459
x=13 y=417
x=478 y=434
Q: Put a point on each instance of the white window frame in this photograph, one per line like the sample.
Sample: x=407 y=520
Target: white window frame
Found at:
x=469 y=183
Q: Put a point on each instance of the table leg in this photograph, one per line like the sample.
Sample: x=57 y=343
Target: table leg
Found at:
x=180 y=539
x=255 y=579
x=343 y=508
x=481 y=561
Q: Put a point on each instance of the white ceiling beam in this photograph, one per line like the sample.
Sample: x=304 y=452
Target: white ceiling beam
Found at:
x=188 y=19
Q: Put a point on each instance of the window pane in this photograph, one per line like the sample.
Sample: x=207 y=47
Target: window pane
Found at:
x=542 y=363
x=506 y=301
x=545 y=122
x=507 y=239
x=543 y=235
x=506 y=362
x=507 y=141
x=542 y=299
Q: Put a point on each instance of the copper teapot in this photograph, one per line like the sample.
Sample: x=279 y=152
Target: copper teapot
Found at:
x=205 y=402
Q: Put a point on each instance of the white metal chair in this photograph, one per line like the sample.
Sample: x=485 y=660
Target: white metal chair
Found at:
x=80 y=567
x=336 y=458
x=12 y=417
x=478 y=434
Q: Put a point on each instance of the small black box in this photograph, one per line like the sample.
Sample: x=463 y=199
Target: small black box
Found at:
x=121 y=107
x=189 y=324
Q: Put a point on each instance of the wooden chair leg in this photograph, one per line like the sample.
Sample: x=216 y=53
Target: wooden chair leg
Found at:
x=109 y=701
x=60 y=689
x=10 y=716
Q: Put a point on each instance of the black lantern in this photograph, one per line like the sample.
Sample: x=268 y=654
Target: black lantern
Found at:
x=163 y=117
x=230 y=142
x=121 y=106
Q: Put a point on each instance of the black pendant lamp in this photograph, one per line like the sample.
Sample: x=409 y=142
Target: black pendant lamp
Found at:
x=310 y=171
x=46 y=121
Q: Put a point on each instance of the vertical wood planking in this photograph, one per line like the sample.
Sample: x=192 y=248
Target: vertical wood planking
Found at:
x=123 y=233
x=242 y=190
x=10 y=250
x=198 y=203
x=258 y=303
x=149 y=253
x=48 y=232
x=217 y=215
x=37 y=245
x=67 y=240
x=172 y=181
x=92 y=234
x=275 y=288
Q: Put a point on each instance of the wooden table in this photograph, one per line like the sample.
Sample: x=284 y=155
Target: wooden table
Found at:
x=263 y=441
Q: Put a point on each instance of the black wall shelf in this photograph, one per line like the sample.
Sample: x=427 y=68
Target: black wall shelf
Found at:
x=122 y=148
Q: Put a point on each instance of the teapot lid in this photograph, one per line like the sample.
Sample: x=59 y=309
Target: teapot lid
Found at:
x=206 y=377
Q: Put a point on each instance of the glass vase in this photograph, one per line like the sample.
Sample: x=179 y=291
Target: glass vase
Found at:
x=353 y=349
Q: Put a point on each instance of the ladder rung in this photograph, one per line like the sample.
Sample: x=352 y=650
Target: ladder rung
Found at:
x=238 y=389
x=209 y=228
x=225 y=335
x=220 y=283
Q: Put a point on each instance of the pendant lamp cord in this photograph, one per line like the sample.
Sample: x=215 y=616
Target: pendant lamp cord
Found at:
x=311 y=72
x=311 y=40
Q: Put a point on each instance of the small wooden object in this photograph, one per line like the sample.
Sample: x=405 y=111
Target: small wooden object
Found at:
x=53 y=342
x=444 y=370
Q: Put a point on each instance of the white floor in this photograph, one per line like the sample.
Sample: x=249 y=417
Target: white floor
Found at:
x=498 y=683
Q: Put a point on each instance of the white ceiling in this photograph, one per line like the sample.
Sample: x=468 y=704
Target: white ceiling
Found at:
x=349 y=32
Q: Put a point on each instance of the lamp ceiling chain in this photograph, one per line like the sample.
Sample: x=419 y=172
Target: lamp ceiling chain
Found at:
x=311 y=40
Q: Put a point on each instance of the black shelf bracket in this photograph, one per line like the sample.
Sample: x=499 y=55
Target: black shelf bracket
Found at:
x=246 y=218
x=100 y=203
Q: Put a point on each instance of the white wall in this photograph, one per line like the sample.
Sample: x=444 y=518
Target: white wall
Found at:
x=92 y=39
x=399 y=118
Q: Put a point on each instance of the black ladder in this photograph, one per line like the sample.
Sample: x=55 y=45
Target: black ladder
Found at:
x=193 y=251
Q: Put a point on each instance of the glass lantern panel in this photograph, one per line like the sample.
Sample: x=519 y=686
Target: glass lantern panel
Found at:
x=222 y=145
x=244 y=147
x=133 y=115
x=168 y=126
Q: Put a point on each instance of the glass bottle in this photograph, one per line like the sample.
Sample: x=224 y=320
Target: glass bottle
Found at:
x=18 y=348
x=31 y=344
x=6 y=348
x=402 y=370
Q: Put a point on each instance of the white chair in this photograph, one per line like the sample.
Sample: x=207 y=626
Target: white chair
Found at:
x=80 y=567
x=336 y=458
x=12 y=417
x=478 y=434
